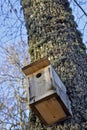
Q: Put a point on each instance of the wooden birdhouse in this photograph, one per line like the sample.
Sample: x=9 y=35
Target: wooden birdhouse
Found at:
x=47 y=93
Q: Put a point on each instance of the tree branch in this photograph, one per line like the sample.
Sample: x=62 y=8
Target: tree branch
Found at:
x=80 y=7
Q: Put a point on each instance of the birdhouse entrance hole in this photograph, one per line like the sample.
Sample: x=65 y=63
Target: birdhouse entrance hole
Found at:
x=38 y=75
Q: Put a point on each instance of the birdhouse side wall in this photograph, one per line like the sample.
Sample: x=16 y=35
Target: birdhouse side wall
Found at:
x=61 y=90
x=57 y=80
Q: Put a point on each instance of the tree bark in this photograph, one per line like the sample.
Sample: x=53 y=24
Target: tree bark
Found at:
x=52 y=32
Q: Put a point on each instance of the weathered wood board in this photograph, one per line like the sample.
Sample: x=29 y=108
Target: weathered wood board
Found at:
x=50 y=110
x=34 y=67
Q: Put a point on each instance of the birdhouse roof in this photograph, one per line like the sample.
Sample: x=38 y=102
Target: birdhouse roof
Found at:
x=35 y=66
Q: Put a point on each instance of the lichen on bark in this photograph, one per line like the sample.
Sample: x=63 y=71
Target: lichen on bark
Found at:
x=52 y=32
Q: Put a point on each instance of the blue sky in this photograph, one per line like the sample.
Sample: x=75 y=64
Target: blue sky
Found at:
x=12 y=25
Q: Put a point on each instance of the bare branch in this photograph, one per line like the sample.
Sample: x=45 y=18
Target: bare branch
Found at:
x=80 y=7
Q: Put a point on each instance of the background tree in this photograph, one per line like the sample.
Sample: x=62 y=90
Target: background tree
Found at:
x=52 y=32
x=14 y=109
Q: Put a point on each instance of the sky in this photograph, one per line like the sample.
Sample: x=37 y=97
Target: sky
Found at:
x=12 y=24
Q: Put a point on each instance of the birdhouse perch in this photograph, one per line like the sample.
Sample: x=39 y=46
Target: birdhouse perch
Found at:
x=47 y=93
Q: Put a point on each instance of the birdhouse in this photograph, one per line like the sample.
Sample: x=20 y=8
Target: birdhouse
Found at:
x=47 y=93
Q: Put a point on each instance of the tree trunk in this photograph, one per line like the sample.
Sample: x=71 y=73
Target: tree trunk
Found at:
x=52 y=32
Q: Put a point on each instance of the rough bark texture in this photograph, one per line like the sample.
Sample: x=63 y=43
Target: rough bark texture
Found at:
x=52 y=32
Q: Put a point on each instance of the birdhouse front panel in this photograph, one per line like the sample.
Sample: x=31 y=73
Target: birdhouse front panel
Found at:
x=39 y=84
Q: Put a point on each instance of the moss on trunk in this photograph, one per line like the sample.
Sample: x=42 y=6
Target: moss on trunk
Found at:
x=52 y=32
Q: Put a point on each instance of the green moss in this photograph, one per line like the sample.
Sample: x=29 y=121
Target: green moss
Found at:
x=81 y=51
x=41 y=42
x=59 y=41
x=83 y=46
x=79 y=34
x=52 y=32
x=26 y=3
x=31 y=50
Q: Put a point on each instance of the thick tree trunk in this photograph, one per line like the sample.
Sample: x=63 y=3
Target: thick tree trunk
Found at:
x=52 y=32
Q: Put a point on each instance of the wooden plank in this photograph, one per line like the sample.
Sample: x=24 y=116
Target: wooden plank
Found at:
x=47 y=122
x=35 y=66
x=51 y=110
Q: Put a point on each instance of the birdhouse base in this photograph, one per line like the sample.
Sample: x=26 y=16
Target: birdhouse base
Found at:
x=50 y=109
